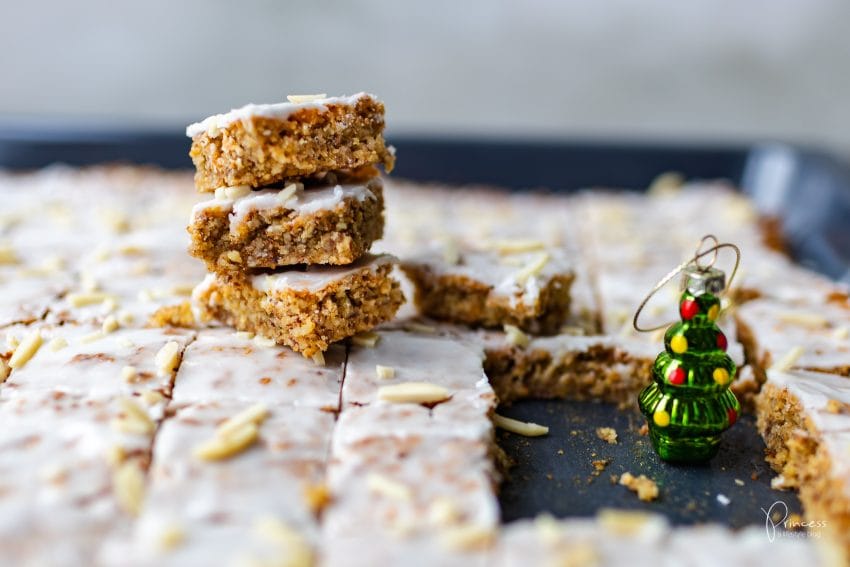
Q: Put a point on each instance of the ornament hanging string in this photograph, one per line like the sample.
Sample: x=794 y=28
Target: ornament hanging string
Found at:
x=678 y=269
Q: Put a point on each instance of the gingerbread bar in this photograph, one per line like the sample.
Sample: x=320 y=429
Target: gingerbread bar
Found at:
x=327 y=224
x=305 y=309
x=804 y=418
x=529 y=289
x=258 y=145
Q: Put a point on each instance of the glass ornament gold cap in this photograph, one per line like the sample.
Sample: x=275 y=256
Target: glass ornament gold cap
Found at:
x=699 y=280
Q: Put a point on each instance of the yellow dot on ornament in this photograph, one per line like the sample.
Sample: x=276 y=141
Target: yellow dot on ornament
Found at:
x=661 y=418
x=679 y=344
x=713 y=312
x=721 y=376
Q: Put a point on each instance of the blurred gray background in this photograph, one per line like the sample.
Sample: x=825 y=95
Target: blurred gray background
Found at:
x=699 y=70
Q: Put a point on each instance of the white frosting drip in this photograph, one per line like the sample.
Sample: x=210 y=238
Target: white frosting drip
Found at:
x=279 y=110
x=303 y=203
x=315 y=277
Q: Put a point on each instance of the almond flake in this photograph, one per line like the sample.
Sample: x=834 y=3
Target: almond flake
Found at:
x=264 y=342
x=255 y=414
x=288 y=192
x=413 y=327
x=236 y=192
x=300 y=99
x=26 y=350
x=468 y=538
x=129 y=374
x=152 y=397
x=807 y=320
x=92 y=337
x=319 y=358
x=533 y=268
x=223 y=447
x=134 y=419
x=57 y=344
x=788 y=361
x=243 y=335
x=383 y=486
x=528 y=429
x=413 y=393
x=293 y=546
x=515 y=336
x=368 y=339
x=841 y=333
x=517 y=246
x=167 y=358
x=129 y=485
x=88 y=298
x=384 y=372
x=110 y=324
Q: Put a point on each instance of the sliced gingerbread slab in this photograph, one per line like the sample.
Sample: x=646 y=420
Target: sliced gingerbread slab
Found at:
x=261 y=144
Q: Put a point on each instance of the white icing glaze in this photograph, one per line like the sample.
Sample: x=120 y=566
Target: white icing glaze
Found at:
x=220 y=366
x=446 y=361
x=279 y=111
x=315 y=277
x=303 y=203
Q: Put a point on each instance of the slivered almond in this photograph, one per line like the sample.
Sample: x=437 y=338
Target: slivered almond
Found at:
x=171 y=536
x=26 y=350
x=134 y=419
x=468 y=537
x=413 y=393
x=237 y=192
x=255 y=414
x=380 y=484
x=533 y=268
x=88 y=298
x=293 y=546
x=516 y=246
x=841 y=333
x=788 y=360
x=451 y=252
x=4 y=370
x=92 y=337
x=110 y=324
x=444 y=512
x=319 y=358
x=288 y=192
x=528 y=429
x=384 y=372
x=224 y=447
x=129 y=374
x=264 y=342
x=302 y=98
x=807 y=320
x=167 y=358
x=368 y=339
x=414 y=327
x=515 y=336
x=128 y=483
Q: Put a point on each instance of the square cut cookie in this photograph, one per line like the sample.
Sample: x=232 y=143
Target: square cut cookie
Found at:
x=447 y=364
x=221 y=366
x=68 y=473
x=431 y=495
x=785 y=336
x=90 y=362
x=305 y=309
x=254 y=502
x=325 y=224
x=529 y=289
x=261 y=144
x=804 y=418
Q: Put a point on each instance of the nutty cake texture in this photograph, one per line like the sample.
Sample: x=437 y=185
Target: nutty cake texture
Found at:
x=328 y=305
x=263 y=144
x=333 y=224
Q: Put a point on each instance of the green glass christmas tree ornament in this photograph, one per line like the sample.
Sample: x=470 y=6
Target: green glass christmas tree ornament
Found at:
x=688 y=404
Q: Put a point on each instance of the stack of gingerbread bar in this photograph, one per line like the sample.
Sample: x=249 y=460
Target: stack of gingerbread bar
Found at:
x=297 y=203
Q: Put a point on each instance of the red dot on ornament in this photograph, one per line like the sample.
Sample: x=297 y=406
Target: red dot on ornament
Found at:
x=688 y=308
x=676 y=376
x=722 y=343
x=732 y=415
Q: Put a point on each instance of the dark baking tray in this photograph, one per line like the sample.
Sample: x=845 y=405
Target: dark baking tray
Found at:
x=808 y=189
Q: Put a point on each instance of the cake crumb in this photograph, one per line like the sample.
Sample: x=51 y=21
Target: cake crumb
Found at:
x=644 y=430
x=643 y=486
x=599 y=465
x=607 y=434
x=179 y=315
